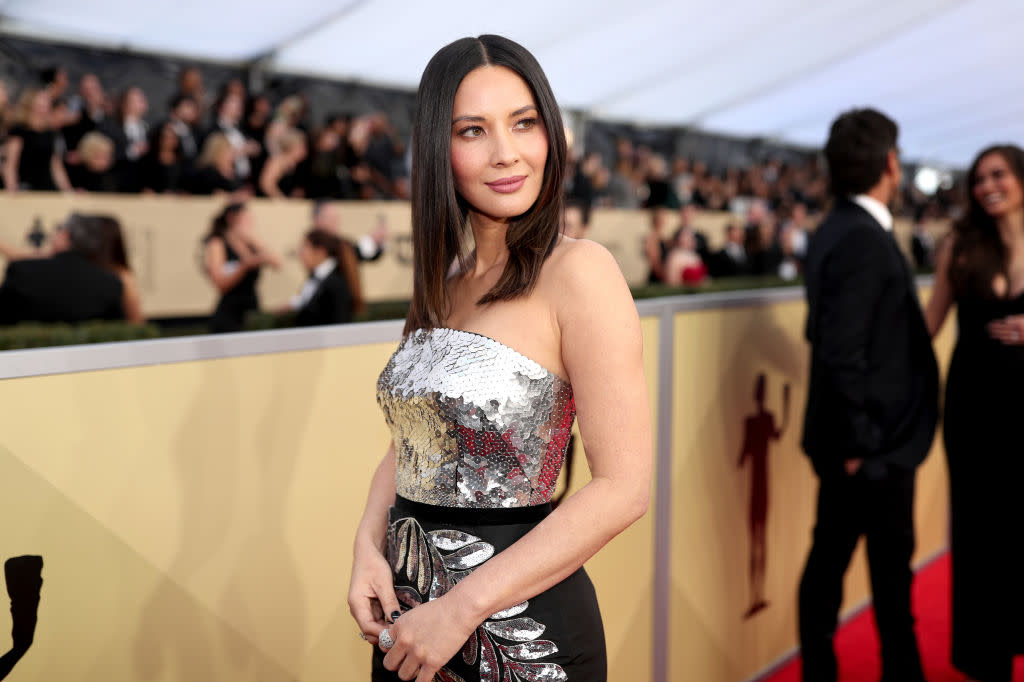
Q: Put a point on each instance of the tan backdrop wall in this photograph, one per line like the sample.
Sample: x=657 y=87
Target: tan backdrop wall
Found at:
x=196 y=519
x=163 y=237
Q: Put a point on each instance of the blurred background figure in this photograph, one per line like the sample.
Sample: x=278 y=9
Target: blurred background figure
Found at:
x=164 y=167
x=280 y=177
x=95 y=169
x=215 y=169
x=232 y=259
x=130 y=135
x=332 y=294
x=369 y=247
x=575 y=218
x=683 y=265
x=70 y=286
x=656 y=246
x=32 y=158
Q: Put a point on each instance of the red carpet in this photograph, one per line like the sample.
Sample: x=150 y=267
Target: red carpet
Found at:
x=857 y=641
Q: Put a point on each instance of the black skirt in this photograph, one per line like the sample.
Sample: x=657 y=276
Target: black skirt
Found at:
x=556 y=635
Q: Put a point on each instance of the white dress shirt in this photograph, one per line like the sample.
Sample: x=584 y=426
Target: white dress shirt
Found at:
x=877 y=210
x=312 y=284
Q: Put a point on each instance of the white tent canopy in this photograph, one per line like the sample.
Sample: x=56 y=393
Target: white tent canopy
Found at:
x=781 y=70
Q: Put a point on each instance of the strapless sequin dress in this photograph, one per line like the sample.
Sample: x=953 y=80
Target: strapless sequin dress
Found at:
x=480 y=434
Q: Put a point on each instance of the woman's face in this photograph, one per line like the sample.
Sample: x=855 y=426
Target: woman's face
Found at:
x=499 y=144
x=996 y=188
x=242 y=225
x=41 y=105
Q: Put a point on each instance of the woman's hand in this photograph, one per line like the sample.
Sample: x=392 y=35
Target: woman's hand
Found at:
x=371 y=594
x=425 y=639
x=1008 y=331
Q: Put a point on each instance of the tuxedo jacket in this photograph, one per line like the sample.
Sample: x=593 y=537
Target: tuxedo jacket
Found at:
x=64 y=288
x=331 y=303
x=874 y=380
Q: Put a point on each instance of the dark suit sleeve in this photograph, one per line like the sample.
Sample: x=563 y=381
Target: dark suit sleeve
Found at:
x=330 y=305
x=852 y=284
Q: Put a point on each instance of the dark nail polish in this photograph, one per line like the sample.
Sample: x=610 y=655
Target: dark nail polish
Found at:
x=395 y=615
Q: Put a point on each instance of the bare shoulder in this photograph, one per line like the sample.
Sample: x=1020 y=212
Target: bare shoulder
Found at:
x=583 y=282
x=582 y=263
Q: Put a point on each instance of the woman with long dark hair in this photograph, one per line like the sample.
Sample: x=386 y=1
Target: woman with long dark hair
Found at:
x=460 y=567
x=332 y=293
x=981 y=269
x=113 y=256
x=232 y=258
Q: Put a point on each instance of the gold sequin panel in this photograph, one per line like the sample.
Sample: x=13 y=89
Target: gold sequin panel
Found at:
x=475 y=423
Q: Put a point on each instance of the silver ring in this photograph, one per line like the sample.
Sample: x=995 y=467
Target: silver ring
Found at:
x=362 y=635
x=384 y=640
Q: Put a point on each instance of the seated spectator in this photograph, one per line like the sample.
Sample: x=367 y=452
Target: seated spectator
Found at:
x=182 y=118
x=130 y=134
x=227 y=121
x=32 y=159
x=285 y=120
x=278 y=179
x=688 y=215
x=332 y=293
x=732 y=260
x=190 y=85
x=89 y=110
x=323 y=180
x=659 y=187
x=163 y=167
x=683 y=265
x=575 y=219
x=215 y=170
x=656 y=247
x=94 y=172
x=764 y=249
x=67 y=287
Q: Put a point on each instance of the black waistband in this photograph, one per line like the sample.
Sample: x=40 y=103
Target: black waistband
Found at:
x=472 y=516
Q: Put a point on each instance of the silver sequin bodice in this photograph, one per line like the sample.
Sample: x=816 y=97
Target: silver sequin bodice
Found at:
x=475 y=423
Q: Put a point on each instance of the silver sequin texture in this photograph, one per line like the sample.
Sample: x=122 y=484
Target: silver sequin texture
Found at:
x=475 y=423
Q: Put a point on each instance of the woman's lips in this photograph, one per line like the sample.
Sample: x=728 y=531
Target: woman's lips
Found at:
x=507 y=185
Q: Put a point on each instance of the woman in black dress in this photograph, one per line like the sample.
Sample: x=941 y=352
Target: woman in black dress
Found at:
x=461 y=569
x=981 y=269
x=232 y=259
x=31 y=160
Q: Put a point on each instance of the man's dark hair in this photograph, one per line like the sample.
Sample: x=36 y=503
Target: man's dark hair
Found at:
x=178 y=99
x=857 y=150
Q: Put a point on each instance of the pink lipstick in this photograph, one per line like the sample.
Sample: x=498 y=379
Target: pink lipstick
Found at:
x=507 y=185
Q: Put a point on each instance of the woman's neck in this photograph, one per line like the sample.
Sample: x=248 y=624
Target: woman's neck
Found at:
x=491 y=249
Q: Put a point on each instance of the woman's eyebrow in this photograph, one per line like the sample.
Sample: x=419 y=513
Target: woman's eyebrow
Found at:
x=474 y=117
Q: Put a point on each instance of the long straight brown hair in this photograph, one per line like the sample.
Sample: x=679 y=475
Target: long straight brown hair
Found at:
x=979 y=253
x=439 y=214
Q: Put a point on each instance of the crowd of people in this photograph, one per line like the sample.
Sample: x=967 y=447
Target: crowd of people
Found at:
x=56 y=137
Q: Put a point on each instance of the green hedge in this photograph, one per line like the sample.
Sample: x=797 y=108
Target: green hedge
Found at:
x=41 y=335
x=37 y=335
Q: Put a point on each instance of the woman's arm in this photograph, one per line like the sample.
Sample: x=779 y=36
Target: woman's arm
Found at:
x=942 y=290
x=601 y=346
x=131 y=299
x=264 y=254
x=214 y=258
x=371 y=596
x=273 y=169
x=59 y=174
x=12 y=155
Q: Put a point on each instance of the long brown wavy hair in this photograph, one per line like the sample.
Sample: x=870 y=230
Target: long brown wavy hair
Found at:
x=979 y=254
x=342 y=251
x=439 y=214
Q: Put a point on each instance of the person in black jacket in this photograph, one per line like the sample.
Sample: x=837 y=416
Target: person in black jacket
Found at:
x=331 y=294
x=872 y=406
x=66 y=287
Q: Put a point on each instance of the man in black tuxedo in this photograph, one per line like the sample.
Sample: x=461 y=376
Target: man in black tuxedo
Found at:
x=872 y=406
x=67 y=287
